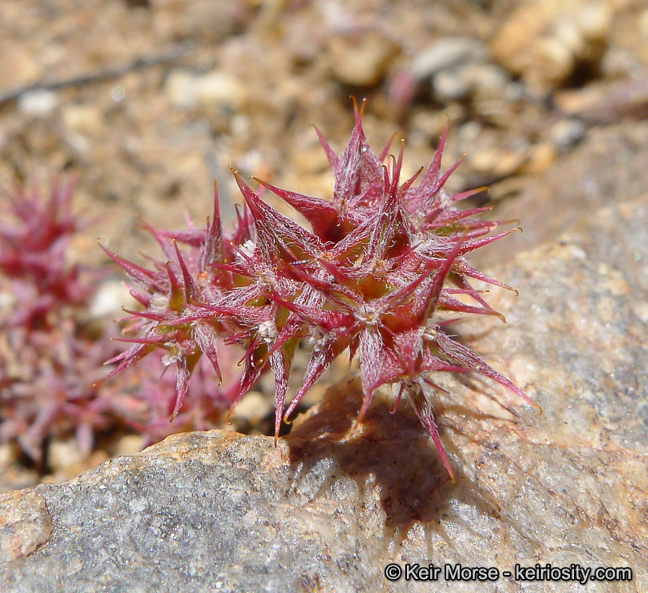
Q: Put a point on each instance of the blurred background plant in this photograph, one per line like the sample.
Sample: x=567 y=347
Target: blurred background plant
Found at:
x=53 y=345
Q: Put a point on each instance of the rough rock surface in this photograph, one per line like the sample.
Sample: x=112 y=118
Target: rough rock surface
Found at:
x=327 y=510
x=608 y=168
x=25 y=524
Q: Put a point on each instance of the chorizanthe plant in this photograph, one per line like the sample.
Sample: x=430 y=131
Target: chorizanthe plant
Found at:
x=45 y=360
x=382 y=273
x=51 y=351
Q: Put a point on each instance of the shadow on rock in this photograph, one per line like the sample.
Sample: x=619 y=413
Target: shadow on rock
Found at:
x=392 y=446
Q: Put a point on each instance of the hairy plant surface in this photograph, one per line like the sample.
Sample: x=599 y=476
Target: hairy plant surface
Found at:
x=382 y=273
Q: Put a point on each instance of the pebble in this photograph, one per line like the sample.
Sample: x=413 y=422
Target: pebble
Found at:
x=362 y=62
x=40 y=103
x=551 y=64
x=9 y=453
x=606 y=103
x=620 y=62
x=129 y=445
x=447 y=85
x=486 y=81
x=221 y=91
x=180 y=90
x=254 y=407
x=458 y=68
x=83 y=119
x=545 y=40
x=594 y=20
x=540 y=158
x=448 y=53
x=567 y=133
x=214 y=90
x=428 y=126
x=64 y=454
x=241 y=125
x=109 y=299
x=482 y=81
x=497 y=162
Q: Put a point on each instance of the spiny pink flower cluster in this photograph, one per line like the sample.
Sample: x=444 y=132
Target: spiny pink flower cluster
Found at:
x=50 y=354
x=382 y=274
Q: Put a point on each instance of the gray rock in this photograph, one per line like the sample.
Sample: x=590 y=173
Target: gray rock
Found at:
x=487 y=81
x=484 y=81
x=567 y=133
x=446 y=54
x=449 y=85
x=328 y=510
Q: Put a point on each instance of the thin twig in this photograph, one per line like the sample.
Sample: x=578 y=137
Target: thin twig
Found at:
x=173 y=53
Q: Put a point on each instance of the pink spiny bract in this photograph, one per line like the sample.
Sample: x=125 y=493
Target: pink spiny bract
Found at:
x=378 y=274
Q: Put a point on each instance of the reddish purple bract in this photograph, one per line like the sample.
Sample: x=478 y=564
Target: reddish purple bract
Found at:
x=380 y=274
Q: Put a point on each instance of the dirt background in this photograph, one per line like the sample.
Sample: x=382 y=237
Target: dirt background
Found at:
x=147 y=102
